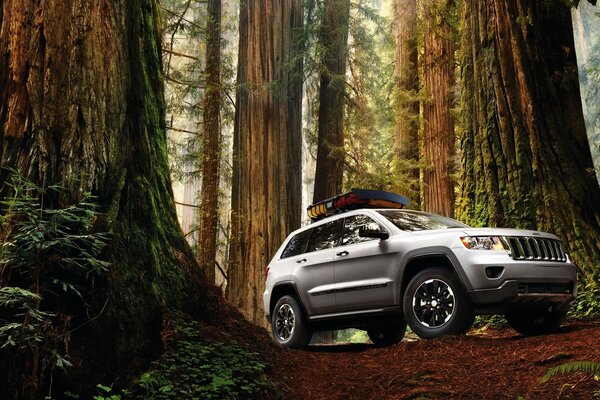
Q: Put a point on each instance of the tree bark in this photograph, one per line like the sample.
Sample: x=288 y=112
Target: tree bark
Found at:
x=406 y=76
x=81 y=102
x=211 y=153
x=438 y=122
x=586 y=30
x=330 y=142
x=266 y=190
x=525 y=154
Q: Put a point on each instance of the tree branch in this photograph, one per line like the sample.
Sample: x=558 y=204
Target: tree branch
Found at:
x=175 y=53
x=181 y=130
x=187 y=205
x=221 y=270
x=182 y=18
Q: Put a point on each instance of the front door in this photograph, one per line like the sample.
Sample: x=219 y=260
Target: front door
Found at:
x=362 y=268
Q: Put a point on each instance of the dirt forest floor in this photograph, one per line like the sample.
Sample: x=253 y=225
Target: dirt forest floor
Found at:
x=491 y=364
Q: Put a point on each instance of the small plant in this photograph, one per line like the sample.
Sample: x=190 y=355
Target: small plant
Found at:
x=107 y=393
x=193 y=368
x=24 y=302
x=589 y=368
x=586 y=367
x=48 y=259
x=587 y=303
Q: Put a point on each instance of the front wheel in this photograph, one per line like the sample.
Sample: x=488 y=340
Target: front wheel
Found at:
x=289 y=325
x=435 y=305
x=388 y=334
x=535 y=320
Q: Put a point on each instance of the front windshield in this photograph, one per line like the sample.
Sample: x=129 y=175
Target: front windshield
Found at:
x=420 y=221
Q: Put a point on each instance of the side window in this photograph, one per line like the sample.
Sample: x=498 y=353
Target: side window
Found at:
x=352 y=225
x=325 y=236
x=296 y=245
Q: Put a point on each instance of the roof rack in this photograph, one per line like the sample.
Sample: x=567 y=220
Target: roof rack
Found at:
x=355 y=199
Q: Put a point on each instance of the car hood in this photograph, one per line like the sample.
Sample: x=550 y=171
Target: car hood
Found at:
x=507 y=232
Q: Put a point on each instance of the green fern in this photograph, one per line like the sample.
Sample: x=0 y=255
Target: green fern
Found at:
x=587 y=367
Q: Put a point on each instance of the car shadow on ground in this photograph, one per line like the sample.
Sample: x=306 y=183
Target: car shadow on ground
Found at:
x=340 y=348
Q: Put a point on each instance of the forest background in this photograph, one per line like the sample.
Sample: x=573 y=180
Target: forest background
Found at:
x=398 y=70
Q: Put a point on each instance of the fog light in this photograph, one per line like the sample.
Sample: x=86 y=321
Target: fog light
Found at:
x=494 y=272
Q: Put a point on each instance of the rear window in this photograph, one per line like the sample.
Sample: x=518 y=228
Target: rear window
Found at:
x=325 y=236
x=420 y=221
x=297 y=244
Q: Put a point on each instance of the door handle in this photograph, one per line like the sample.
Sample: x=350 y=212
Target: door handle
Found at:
x=302 y=260
x=342 y=253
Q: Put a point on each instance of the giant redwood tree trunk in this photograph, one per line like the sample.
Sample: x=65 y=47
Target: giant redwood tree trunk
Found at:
x=438 y=122
x=266 y=192
x=81 y=101
x=211 y=143
x=330 y=142
x=525 y=154
x=406 y=76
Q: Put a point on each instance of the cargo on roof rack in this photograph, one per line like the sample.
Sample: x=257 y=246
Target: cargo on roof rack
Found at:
x=354 y=199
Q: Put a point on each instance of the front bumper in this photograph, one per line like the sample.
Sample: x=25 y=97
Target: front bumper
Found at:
x=513 y=294
x=521 y=283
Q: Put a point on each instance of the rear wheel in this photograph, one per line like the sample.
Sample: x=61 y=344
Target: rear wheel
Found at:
x=388 y=334
x=435 y=305
x=531 y=321
x=289 y=325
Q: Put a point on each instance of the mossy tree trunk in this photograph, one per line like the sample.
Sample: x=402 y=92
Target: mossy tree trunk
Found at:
x=330 y=141
x=266 y=190
x=526 y=158
x=81 y=101
x=406 y=76
x=211 y=145
x=438 y=122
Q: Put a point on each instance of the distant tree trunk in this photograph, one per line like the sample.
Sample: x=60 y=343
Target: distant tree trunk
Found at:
x=406 y=76
x=525 y=155
x=438 y=122
x=266 y=192
x=81 y=102
x=211 y=152
x=330 y=145
x=586 y=29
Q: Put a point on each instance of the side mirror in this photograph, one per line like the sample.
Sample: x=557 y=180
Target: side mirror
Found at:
x=372 y=231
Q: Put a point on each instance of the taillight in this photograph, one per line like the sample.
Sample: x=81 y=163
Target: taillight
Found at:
x=266 y=272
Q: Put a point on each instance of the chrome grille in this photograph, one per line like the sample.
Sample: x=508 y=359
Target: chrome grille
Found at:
x=533 y=248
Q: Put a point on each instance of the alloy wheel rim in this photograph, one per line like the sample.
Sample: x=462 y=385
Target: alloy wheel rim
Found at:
x=285 y=322
x=433 y=303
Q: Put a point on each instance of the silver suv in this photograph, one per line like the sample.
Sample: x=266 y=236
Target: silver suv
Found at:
x=379 y=269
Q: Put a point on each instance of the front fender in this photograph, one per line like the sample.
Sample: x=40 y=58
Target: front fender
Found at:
x=423 y=254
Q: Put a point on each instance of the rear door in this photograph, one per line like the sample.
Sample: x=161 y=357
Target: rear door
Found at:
x=313 y=270
x=362 y=268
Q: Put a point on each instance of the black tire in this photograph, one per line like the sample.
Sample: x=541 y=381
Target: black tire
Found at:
x=435 y=304
x=388 y=334
x=532 y=321
x=289 y=324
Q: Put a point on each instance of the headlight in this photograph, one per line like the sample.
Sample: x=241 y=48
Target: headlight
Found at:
x=494 y=243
